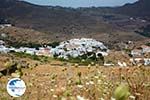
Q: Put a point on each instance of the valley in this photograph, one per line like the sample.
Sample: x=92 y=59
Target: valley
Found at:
x=85 y=53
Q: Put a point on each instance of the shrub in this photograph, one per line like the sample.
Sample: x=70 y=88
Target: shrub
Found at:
x=121 y=92
x=78 y=82
x=9 y=64
x=54 y=44
x=148 y=44
x=1 y=74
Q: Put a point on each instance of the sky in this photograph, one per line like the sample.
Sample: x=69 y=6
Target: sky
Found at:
x=81 y=3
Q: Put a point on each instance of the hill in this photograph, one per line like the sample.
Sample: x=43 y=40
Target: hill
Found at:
x=140 y=8
x=59 y=23
x=48 y=19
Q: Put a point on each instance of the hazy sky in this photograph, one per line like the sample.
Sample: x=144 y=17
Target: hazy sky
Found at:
x=81 y=3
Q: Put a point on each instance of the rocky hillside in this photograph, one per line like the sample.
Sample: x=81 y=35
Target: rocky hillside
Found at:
x=58 y=23
x=140 y=8
x=50 y=19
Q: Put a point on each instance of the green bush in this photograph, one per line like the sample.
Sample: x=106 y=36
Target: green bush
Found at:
x=9 y=64
x=121 y=92
x=54 y=44
x=148 y=44
x=25 y=55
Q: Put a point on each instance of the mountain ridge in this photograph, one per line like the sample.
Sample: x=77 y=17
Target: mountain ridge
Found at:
x=140 y=8
x=104 y=23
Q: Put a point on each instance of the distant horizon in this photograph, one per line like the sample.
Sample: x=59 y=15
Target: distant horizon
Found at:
x=81 y=3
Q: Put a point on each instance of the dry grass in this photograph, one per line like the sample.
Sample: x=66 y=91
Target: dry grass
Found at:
x=54 y=82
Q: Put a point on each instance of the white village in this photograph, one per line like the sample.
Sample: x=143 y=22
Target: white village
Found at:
x=78 y=47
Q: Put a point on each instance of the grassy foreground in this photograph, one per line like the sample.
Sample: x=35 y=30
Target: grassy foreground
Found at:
x=55 y=82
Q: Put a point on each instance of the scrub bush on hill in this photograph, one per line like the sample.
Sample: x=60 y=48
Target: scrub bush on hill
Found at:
x=145 y=31
x=54 y=44
x=9 y=65
x=33 y=57
x=18 y=44
x=30 y=45
x=12 y=66
x=148 y=44
x=25 y=55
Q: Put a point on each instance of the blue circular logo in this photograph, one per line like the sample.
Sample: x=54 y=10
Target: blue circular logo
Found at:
x=16 y=87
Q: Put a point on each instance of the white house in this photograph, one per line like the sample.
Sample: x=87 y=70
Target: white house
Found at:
x=78 y=47
x=44 y=51
x=4 y=49
x=145 y=49
x=5 y=25
x=122 y=64
x=2 y=42
x=146 y=61
x=136 y=52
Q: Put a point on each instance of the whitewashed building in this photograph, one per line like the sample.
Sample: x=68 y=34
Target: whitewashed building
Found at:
x=78 y=47
x=145 y=49
x=136 y=52
x=4 y=49
x=44 y=51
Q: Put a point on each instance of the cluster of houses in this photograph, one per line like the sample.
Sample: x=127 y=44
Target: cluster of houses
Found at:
x=70 y=48
x=79 y=47
x=4 y=23
x=137 y=19
x=141 y=56
x=32 y=51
